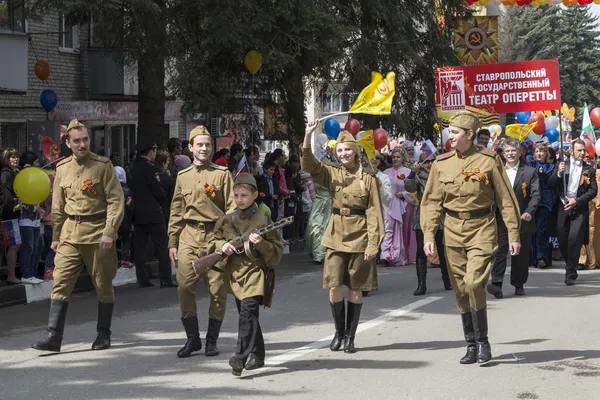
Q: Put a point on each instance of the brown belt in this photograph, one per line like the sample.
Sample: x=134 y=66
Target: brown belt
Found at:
x=346 y=212
x=88 y=218
x=464 y=215
x=200 y=226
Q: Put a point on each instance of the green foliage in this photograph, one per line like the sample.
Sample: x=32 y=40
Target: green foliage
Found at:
x=569 y=34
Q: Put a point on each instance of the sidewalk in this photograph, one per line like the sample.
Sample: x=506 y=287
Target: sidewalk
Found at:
x=15 y=295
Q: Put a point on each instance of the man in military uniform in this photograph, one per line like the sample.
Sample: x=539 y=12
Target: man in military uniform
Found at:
x=148 y=200
x=466 y=183
x=203 y=194
x=87 y=209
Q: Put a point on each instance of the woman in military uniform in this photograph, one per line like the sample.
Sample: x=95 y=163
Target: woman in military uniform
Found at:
x=466 y=183
x=354 y=233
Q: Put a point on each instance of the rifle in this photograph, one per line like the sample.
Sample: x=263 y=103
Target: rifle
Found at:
x=207 y=262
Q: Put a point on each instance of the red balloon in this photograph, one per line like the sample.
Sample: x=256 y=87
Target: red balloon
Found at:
x=380 y=138
x=595 y=116
x=447 y=146
x=540 y=128
x=590 y=147
x=352 y=126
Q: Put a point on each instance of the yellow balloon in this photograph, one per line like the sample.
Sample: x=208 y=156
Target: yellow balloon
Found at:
x=32 y=185
x=253 y=61
x=331 y=144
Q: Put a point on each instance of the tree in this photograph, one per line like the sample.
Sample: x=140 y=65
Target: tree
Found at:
x=134 y=31
x=569 y=34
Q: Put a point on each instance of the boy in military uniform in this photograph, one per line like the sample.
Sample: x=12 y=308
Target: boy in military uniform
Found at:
x=246 y=271
x=87 y=209
x=203 y=194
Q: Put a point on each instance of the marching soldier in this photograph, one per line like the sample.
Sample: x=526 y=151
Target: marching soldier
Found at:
x=465 y=183
x=203 y=194
x=87 y=208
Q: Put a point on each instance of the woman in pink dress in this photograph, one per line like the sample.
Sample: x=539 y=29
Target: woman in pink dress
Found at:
x=399 y=215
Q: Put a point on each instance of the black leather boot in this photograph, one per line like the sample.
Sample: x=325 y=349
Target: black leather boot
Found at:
x=338 y=310
x=469 y=330
x=421 y=278
x=446 y=277
x=214 y=327
x=56 y=327
x=484 y=350
x=194 y=343
x=105 y=311
x=352 y=318
x=254 y=362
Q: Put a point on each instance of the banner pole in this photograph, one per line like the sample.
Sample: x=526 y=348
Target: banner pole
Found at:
x=334 y=115
x=562 y=153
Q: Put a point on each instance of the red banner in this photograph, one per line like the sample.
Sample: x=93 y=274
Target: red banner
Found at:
x=499 y=88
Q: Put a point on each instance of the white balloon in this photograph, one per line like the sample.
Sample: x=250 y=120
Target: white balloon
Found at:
x=322 y=139
x=417 y=152
x=533 y=137
x=445 y=135
x=551 y=122
x=598 y=147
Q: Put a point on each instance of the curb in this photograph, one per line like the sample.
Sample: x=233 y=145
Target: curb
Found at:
x=25 y=294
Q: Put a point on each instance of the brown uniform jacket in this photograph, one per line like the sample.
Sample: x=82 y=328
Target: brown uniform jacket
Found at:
x=247 y=276
x=355 y=233
x=71 y=198
x=202 y=194
x=471 y=181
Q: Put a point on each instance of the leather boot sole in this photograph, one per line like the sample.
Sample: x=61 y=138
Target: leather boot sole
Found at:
x=236 y=366
x=43 y=347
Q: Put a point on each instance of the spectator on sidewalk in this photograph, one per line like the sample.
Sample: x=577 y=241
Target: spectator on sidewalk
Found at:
x=10 y=211
x=174 y=147
x=48 y=254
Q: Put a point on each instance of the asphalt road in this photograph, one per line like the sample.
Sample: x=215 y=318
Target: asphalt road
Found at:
x=545 y=345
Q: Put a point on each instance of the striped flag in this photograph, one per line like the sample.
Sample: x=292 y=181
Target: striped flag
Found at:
x=587 y=129
x=243 y=167
x=428 y=148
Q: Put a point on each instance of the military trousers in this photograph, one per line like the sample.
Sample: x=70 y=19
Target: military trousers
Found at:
x=191 y=244
x=100 y=263
x=250 y=337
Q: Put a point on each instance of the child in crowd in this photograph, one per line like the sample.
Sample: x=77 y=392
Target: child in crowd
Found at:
x=247 y=272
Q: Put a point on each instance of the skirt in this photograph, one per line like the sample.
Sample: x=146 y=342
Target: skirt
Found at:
x=349 y=269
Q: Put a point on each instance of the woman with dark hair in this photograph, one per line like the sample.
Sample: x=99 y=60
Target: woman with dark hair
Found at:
x=32 y=244
x=10 y=210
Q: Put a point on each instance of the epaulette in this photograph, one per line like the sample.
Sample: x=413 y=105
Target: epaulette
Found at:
x=96 y=157
x=63 y=162
x=445 y=156
x=185 y=170
x=488 y=152
x=219 y=167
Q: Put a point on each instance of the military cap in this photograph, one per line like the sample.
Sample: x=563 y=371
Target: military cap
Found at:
x=346 y=138
x=144 y=143
x=465 y=120
x=246 y=179
x=74 y=124
x=200 y=130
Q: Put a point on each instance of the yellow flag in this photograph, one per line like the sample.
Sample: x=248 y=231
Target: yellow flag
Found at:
x=376 y=99
x=518 y=131
x=367 y=143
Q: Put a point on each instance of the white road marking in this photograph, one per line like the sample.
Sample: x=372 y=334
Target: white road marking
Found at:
x=319 y=344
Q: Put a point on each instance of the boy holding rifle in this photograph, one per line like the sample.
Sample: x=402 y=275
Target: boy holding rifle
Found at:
x=248 y=270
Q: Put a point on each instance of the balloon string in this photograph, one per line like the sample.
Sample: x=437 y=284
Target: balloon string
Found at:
x=36 y=57
x=252 y=111
x=53 y=162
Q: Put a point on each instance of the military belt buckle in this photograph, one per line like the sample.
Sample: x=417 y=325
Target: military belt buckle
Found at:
x=345 y=212
x=464 y=215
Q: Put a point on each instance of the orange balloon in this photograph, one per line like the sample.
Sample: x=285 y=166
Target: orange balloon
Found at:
x=590 y=147
x=42 y=70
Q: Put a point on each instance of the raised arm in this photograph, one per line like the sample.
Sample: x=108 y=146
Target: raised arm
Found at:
x=309 y=163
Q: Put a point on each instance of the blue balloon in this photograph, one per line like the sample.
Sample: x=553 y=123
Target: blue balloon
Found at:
x=332 y=128
x=523 y=117
x=551 y=135
x=48 y=99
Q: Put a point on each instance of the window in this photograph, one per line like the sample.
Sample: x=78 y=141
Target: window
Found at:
x=13 y=135
x=337 y=102
x=12 y=17
x=69 y=33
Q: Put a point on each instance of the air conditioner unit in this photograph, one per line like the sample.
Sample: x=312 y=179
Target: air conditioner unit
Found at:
x=217 y=127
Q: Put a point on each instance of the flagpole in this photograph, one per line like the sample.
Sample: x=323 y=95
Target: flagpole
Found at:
x=562 y=151
x=334 y=115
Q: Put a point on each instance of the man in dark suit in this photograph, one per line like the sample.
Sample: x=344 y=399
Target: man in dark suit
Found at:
x=148 y=219
x=525 y=184
x=576 y=185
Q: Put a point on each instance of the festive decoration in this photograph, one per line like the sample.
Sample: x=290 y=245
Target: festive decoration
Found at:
x=253 y=61
x=48 y=99
x=376 y=99
x=368 y=143
x=42 y=70
x=598 y=147
x=32 y=185
x=540 y=126
x=332 y=128
x=322 y=139
x=552 y=135
x=595 y=116
x=518 y=131
x=380 y=138
x=352 y=126
x=551 y=122
x=476 y=40
x=523 y=117
x=590 y=147
x=331 y=144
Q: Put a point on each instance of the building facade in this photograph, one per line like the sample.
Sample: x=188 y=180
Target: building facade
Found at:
x=96 y=87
